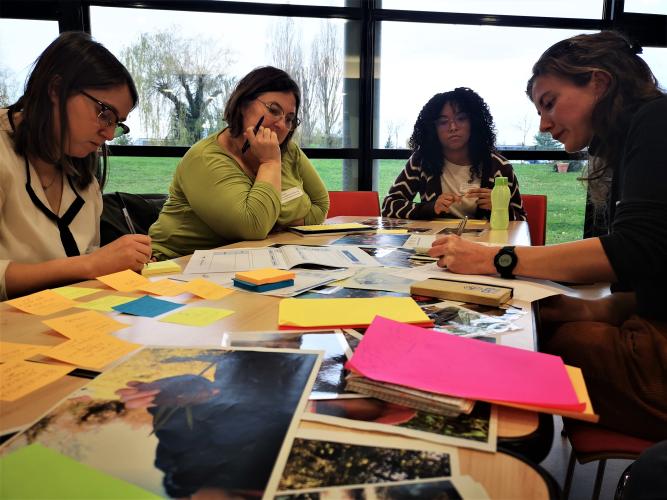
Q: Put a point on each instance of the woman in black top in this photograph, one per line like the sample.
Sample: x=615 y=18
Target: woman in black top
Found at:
x=595 y=91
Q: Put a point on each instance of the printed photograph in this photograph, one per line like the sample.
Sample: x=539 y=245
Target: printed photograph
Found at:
x=462 y=321
x=372 y=240
x=394 y=257
x=182 y=422
x=378 y=279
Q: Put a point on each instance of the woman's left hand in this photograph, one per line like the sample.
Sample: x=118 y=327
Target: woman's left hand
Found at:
x=483 y=196
x=463 y=256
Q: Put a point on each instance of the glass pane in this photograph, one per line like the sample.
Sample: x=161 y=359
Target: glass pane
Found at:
x=21 y=41
x=140 y=175
x=656 y=57
x=551 y=8
x=333 y=172
x=186 y=64
x=496 y=64
x=566 y=196
x=646 y=6
x=327 y=3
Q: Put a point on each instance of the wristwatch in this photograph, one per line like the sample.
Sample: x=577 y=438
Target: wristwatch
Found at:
x=505 y=262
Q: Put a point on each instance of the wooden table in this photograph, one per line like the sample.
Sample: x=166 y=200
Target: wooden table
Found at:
x=502 y=475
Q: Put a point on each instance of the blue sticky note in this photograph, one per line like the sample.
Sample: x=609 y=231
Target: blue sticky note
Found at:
x=147 y=306
x=262 y=288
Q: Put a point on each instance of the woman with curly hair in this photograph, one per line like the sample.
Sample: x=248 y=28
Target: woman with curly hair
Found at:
x=454 y=163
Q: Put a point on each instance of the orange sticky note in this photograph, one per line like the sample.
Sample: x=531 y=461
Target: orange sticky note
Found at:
x=12 y=351
x=84 y=324
x=167 y=287
x=91 y=352
x=42 y=303
x=19 y=378
x=124 y=281
x=207 y=289
x=264 y=276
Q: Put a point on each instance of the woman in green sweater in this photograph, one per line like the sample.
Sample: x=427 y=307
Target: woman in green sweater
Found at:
x=242 y=182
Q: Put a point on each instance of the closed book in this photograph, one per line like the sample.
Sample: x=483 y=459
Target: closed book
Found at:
x=462 y=291
x=324 y=229
x=430 y=402
x=262 y=288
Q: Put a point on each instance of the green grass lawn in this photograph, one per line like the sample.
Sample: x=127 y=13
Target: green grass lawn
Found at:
x=566 y=195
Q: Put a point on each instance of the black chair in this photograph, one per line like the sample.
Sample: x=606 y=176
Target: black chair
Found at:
x=143 y=210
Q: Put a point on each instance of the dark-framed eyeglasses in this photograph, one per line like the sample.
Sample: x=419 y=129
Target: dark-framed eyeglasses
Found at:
x=108 y=117
x=274 y=109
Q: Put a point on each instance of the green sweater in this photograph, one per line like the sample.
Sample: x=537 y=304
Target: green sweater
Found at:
x=213 y=202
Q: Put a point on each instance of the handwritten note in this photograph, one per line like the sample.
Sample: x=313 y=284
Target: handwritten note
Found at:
x=84 y=324
x=42 y=303
x=75 y=292
x=105 y=304
x=167 y=287
x=147 y=306
x=207 y=289
x=19 y=378
x=12 y=351
x=91 y=352
x=124 y=281
x=164 y=267
x=197 y=316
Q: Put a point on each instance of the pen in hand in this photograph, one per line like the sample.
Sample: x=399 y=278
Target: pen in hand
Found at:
x=246 y=144
x=461 y=226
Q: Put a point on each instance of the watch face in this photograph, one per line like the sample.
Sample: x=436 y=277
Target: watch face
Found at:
x=505 y=260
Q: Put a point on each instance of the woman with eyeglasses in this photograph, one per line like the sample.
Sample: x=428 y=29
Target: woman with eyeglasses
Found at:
x=594 y=91
x=246 y=180
x=454 y=163
x=75 y=99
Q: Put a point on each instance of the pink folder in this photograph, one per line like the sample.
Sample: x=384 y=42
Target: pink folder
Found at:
x=438 y=362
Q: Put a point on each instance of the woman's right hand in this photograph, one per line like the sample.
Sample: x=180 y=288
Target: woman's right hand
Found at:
x=264 y=145
x=444 y=201
x=131 y=251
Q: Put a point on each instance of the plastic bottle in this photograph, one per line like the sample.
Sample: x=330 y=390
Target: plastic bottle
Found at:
x=500 y=201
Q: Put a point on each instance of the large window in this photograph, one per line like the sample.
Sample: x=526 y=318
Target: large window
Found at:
x=556 y=8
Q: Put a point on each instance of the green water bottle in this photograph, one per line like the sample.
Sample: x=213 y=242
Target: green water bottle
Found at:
x=500 y=202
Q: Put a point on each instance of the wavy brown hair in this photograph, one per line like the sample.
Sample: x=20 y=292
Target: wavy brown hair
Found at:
x=631 y=84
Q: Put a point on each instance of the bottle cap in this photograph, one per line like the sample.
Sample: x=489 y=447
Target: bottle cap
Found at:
x=501 y=181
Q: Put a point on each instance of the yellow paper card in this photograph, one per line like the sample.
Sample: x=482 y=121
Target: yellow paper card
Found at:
x=106 y=303
x=265 y=275
x=207 y=289
x=84 y=324
x=12 y=351
x=169 y=288
x=91 y=352
x=392 y=231
x=19 y=378
x=197 y=316
x=332 y=227
x=75 y=292
x=124 y=281
x=163 y=267
x=42 y=303
x=313 y=313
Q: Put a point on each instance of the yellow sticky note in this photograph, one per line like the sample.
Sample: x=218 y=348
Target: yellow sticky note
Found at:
x=163 y=267
x=169 y=288
x=392 y=231
x=207 y=289
x=12 y=351
x=313 y=313
x=91 y=352
x=75 y=292
x=332 y=227
x=42 y=303
x=264 y=276
x=106 y=303
x=197 y=316
x=19 y=378
x=124 y=281
x=84 y=324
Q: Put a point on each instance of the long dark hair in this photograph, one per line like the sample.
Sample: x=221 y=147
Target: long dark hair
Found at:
x=251 y=86
x=631 y=83
x=482 y=143
x=71 y=63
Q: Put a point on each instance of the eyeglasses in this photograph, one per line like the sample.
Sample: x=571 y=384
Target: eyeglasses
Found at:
x=108 y=117
x=291 y=121
x=444 y=122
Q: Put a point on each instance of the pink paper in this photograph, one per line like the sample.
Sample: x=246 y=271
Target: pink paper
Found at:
x=437 y=362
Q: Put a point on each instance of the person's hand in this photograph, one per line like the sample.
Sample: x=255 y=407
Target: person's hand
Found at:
x=131 y=251
x=463 y=256
x=483 y=196
x=135 y=397
x=264 y=145
x=444 y=201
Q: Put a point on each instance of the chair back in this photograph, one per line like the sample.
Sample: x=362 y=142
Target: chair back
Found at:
x=535 y=206
x=143 y=210
x=366 y=203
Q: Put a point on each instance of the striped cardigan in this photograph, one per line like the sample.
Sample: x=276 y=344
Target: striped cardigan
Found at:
x=413 y=180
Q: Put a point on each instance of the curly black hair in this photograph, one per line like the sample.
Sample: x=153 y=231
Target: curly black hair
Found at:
x=424 y=140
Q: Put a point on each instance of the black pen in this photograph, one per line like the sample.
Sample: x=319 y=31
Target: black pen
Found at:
x=246 y=144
